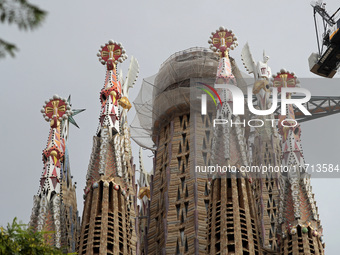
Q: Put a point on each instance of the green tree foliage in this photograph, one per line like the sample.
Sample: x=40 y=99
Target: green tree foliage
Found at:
x=24 y=15
x=18 y=239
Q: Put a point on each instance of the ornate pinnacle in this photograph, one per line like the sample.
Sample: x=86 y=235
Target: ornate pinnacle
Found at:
x=284 y=79
x=111 y=53
x=222 y=41
x=55 y=110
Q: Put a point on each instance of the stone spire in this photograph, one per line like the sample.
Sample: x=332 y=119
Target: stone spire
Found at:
x=108 y=223
x=232 y=223
x=298 y=217
x=55 y=205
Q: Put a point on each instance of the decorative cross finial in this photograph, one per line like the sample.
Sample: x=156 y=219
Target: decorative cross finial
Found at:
x=222 y=41
x=284 y=79
x=55 y=110
x=111 y=53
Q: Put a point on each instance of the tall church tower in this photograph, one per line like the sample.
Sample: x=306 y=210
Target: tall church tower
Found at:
x=301 y=231
x=55 y=205
x=179 y=197
x=109 y=221
x=232 y=222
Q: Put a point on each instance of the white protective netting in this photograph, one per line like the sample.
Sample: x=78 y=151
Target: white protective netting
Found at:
x=170 y=89
x=141 y=126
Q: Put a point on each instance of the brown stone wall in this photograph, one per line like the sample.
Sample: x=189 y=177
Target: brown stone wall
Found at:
x=232 y=224
x=70 y=227
x=179 y=199
x=266 y=151
x=106 y=227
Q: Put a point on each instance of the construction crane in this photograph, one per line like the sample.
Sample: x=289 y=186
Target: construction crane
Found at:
x=327 y=61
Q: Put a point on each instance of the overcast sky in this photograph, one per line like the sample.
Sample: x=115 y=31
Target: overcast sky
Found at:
x=60 y=58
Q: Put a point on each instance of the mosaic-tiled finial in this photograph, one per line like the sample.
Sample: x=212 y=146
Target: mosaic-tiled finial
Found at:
x=111 y=53
x=55 y=110
x=222 y=41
